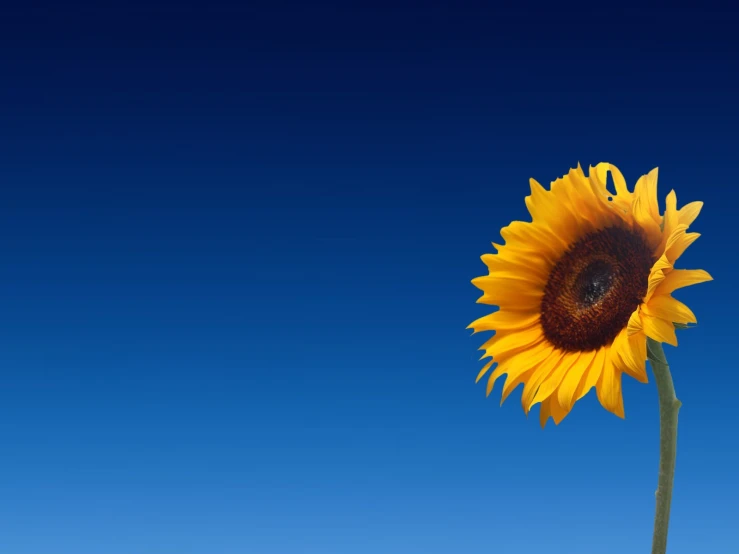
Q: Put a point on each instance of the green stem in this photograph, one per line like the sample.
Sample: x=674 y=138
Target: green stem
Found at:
x=669 y=406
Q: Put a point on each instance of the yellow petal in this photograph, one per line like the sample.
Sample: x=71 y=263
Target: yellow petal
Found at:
x=571 y=379
x=503 y=320
x=575 y=191
x=655 y=278
x=618 y=204
x=638 y=345
x=601 y=172
x=689 y=213
x=671 y=204
x=503 y=355
x=635 y=323
x=652 y=194
x=659 y=329
x=507 y=341
x=645 y=208
x=559 y=412
x=621 y=201
x=483 y=371
x=670 y=219
x=592 y=375
x=517 y=360
x=507 y=262
x=542 y=372
x=542 y=205
x=662 y=264
x=524 y=363
x=554 y=380
x=535 y=238
x=492 y=378
x=512 y=381
x=545 y=412
x=679 y=278
x=679 y=242
x=681 y=245
x=598 y=181
x=631 y=355
x=508 y=296
x=666 y=307
x=515 y=284
x=608 y=390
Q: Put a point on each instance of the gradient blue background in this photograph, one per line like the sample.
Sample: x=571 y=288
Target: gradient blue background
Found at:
x=236 y=247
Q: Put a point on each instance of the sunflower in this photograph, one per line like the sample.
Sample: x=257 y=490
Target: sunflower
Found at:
x=581 y=287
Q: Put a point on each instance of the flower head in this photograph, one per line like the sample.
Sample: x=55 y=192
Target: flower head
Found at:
x=582 y=286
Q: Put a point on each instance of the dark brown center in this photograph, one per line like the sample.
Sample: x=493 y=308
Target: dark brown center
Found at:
x=594 y=288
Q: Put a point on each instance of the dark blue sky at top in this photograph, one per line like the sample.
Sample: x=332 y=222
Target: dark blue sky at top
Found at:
x=235 y=252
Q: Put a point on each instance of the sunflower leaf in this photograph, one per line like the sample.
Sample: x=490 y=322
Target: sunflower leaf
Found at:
x=683 y=326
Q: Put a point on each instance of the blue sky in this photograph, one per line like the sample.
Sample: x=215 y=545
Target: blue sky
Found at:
x=236 y=249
